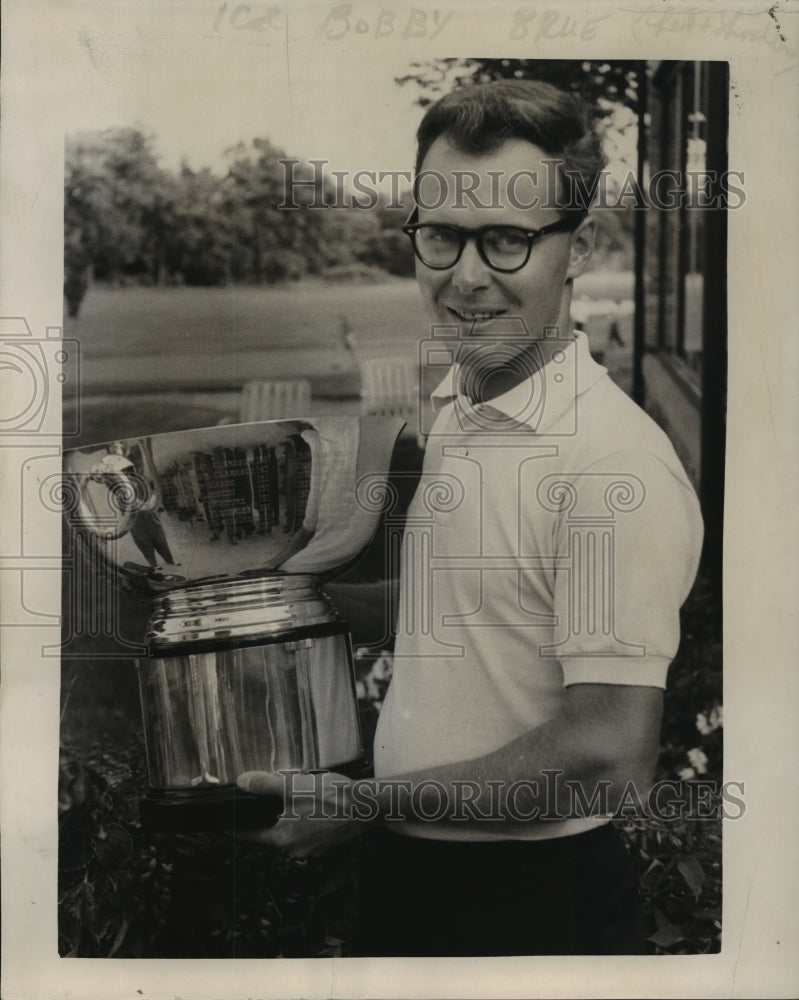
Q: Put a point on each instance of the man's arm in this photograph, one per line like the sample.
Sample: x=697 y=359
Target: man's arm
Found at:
x=604 y=738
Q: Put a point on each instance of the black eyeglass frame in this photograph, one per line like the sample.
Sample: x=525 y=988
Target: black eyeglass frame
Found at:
x=566 y=224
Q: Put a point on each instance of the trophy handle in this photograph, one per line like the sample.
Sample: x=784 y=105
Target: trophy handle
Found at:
x=110 y=513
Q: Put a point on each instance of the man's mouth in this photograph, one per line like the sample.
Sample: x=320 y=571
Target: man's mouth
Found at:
x=474 y=315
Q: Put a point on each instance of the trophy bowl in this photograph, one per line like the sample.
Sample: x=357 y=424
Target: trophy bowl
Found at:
x=228 y=533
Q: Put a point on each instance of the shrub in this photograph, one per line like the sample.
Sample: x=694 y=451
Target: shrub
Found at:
x=129 y=894
x=362 y=273
x=679 y=860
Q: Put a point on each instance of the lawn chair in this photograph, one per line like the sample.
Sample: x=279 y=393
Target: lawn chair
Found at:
x=271 y=400
x=390 y=387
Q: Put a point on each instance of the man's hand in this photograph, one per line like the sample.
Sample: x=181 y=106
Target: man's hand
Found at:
x=319 y=809
x=603 y=735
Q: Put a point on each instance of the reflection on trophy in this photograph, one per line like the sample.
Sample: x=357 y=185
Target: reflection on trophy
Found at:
x=228 y=532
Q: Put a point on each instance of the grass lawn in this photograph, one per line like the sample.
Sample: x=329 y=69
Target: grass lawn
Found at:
x=205 y=322
x=312 y=314
x=158 y=359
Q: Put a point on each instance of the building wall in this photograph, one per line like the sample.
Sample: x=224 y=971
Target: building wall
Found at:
x=675 y=405
x=673 y=322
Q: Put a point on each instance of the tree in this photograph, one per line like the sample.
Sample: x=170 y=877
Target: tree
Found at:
x=269 y=218
x=252 y=193
x=199 y=240
x=116 y=205
x=602 y=83
x=288 y=219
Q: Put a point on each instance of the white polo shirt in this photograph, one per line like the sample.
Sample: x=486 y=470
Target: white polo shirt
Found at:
x=552 y=540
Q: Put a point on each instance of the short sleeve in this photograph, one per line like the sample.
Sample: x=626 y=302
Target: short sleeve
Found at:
x=629 y=538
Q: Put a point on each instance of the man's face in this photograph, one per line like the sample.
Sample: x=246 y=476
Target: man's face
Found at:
x=482 y=302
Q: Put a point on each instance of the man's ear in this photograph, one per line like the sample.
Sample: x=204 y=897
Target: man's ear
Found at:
x=582 y=246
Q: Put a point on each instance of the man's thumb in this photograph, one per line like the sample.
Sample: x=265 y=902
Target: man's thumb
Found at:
x=261 y=783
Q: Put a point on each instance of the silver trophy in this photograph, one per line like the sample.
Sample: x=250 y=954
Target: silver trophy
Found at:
x=229 y=533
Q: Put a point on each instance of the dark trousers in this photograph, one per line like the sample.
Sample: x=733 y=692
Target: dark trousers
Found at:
x=572 y=895
x=147 y=532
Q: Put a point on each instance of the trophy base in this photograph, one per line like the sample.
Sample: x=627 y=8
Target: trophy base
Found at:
x=224 y=808
x=205 y=811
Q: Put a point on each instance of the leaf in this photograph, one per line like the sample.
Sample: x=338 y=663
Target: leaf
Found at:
x=693 y=873
x=705 y=914
x=120 y=937
x=74 y=851
x=115 y=849
x=660 y=918
x=667 y=936
x=88 y=905
x=68 y=930
x=653 y=864
x=335 y=881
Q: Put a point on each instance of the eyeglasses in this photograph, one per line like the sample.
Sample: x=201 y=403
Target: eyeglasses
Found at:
x=502 y=248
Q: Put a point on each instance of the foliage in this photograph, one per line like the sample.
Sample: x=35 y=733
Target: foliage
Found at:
x=360 y=273
x=197 y=233
x=679 y=874
x=692 y=717
x=600 y=82
x=128 y=219
x=679 y=859
x=115 y=196
x=125 y=893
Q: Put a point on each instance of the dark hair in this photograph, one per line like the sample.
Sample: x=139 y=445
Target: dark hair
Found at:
x=479 y=118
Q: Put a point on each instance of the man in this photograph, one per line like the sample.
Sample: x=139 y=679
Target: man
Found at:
x=550 y=544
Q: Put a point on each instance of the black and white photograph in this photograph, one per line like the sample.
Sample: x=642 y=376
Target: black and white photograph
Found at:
x=398 y=486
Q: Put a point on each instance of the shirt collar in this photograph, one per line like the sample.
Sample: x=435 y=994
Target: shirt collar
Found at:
x=539 y=400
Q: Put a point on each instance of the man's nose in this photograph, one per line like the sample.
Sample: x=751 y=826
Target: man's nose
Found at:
x=471 y=272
